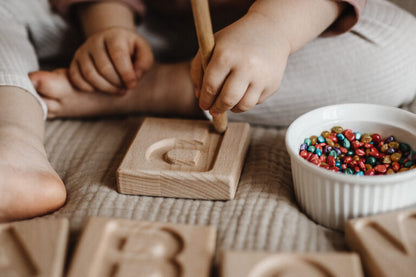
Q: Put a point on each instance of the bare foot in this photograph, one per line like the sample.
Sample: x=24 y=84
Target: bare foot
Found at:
x=28 y=184
x=165 y=89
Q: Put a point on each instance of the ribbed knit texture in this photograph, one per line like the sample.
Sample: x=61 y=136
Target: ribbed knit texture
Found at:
x=263 y=215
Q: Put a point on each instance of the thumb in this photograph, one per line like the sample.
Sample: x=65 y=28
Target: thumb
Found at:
x=143 y=56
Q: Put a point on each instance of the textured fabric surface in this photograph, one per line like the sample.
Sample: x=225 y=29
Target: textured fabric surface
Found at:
x=263 y=215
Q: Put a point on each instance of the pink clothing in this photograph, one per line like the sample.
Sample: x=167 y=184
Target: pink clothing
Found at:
x=343 y=24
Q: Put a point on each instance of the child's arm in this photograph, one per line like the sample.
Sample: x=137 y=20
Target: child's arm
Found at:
x=250 y=55
x=114 y=56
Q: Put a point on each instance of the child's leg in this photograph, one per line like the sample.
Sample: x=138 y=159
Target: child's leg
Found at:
x=28 y=184
x=165 y=89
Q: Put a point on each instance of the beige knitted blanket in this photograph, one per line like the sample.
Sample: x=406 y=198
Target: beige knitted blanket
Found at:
x=263 y=215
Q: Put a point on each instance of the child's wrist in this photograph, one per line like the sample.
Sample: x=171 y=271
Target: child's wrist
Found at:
x=99 y=16
x=280 y=37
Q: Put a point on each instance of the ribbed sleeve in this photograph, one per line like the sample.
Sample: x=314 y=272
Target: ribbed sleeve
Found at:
x=348 y=18
x=63 y=6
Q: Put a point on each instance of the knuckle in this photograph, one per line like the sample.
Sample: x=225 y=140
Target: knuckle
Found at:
x=245 y=106
x=228 y=102
x=210 y=90
x=73 y=70
x=117 y=52
x=224 y=57
x=88 y=73
x=252 y=62
x=106 y=69
x=261 y=100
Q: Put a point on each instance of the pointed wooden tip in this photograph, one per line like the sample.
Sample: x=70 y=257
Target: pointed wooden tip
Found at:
x=220 y=123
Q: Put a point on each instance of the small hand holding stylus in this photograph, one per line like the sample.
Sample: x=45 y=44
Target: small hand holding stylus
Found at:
x=206 y=43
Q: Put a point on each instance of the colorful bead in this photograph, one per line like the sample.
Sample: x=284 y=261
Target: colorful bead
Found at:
x=303 y=146
x=327 y=149
x=311 y=149
x=331 y=160
x=333 y=153
x=321 y=139
x=395 y=166
x=325 y=134
x=348 y=171
x=381 y=168
x=359 y=152
x=346 y=143
x=396 y=157
x=408 y=164
x=387 y=160
x=337 y=129
x=376 y=138
x=330 y=142
x=390 y=150
x=349 y=135
x=337 y=150
x=318 y=152
x=314 y=159
x=412 y=156
x=340 y=137
x=370 y=172
x=366 y=138
x=394 y=144
x=404 y=147
x=352 y=153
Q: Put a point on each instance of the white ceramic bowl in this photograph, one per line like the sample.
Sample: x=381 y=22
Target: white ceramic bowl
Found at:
x=332 y=198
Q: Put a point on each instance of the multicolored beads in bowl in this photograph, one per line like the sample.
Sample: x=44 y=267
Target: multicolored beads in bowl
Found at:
x=331 y=198
x=343 y=150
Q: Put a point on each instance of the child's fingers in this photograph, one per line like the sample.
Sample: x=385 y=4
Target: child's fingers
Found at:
x=91 y=75
x=197 y=74
x=121 y=57
x=106 y=68
x=214 y=78
x=265 y=95
x=249 y=100
x=143 y=56
x=231 y=93
x=76 y=78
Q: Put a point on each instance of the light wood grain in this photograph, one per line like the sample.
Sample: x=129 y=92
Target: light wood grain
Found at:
x=386 y=243
x=121 y=247
x=262 y=264
x=206 y=41
x=184 y=159
x=33 y=247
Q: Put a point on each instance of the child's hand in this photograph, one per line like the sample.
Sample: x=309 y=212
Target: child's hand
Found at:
x=246 y=66
x=110 y=61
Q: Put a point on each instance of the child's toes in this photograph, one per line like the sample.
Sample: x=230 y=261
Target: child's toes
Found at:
x=54 y=107
x=43 y=83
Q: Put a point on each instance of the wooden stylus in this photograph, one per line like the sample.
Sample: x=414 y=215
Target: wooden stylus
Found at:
x=203 y=25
